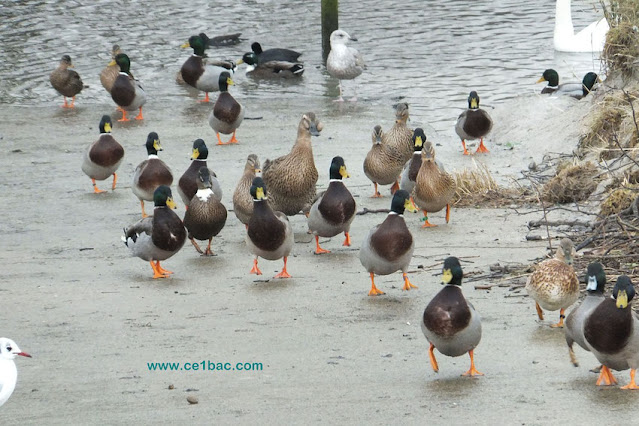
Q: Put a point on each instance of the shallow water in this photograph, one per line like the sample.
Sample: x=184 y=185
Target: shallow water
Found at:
x=431 y=53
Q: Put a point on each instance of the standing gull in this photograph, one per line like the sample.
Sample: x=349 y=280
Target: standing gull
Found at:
x=344 y=63
x=8 y=371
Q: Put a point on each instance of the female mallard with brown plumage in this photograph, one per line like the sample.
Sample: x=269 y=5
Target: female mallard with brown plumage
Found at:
x=474 y=123
x=612 y=334
x=150 y=173
x=400 y=136
x=450 y=322
x=334 y=209
x=389 y=246
x=382 y=165
x=227 y=114
x=269 y=234
x=127 y=92
x=188 y=183
x=554 y=284
x=103 y=157
x=111 y=71
x=242 y=199
x=434 y=188
x=291 y=178
x=206 y=215
x=67 y=82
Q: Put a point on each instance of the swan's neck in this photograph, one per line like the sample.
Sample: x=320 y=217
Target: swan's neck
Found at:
x=563 y=18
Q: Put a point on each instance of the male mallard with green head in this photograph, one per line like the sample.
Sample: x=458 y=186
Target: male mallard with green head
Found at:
x=67 y=82
x=150 y=173
x=127 y=92
x=227 y=113
x=270 y=69
x=103 y=157
x=111 y=71
x=382 y=165
x=409 y=174
x=242 y=199
x=188 y=183
x=577 y=90
x=474 y=123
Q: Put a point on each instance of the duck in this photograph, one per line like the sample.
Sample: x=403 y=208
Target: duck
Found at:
x=66 y=82
x=274 y=54
x=206 y=216
x=127 y=92
x=157 y=237
x=450 y=323
x=474 y=123
x=9 y=350
x=269 y=233
x=103 y=157
x=334 y=209
x=411 y=168
x=292 y=178
x=344 y=62
x=188 y=183
x=612 y=334
x=270 y=69
x=111 y=71
x=203 y=74
x=595 y=287
x=400 y=136
x=590 y=39
x=382 y=165
x=575 y=89
x=242 y=199
x=150 y=173
x=389 y=246
x=227 y=113
x=434 y=188
x=554 y=285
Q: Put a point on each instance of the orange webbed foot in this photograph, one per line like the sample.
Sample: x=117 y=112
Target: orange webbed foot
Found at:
x=433 y=360
x=407 y=283
x=255 y=269
x=472 y=371
x=347 y=240
x=318 y=249
x=95 y=188
x=284 y=273
x=606 y=377
x=560 y=324
x=374 y=290
x=632 y=385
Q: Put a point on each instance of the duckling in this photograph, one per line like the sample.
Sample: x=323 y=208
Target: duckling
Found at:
x=344 y=62
x=450 y=322
x=612 y=334
x=274 y=54
x=206 y=216
x=9 y=350
x=227 y=113
x=474 y=123
x=157 y=237
x=389 y=245
x=291 y=178
x=111 y=71
x=334 y=209
x=382 y=165
x=127 y=91
x=269 y=234
x=554 y=284
x=67 y=82
x=409 y=174
x=242 y=199
x=103 y=157
x=188 y=183
x=434 y=188
x=575 y=320
x=270 y=69
x=150 y=173
x=400 y=136
x=201 y=74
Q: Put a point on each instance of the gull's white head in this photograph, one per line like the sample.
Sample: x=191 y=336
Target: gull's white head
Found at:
x=340 y=37
x=9 y=349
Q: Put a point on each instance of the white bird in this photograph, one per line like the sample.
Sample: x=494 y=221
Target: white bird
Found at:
x=590 y=39
x=343 y=62
x=8 y=371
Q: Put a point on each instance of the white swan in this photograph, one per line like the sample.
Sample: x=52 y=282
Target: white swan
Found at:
x=590 y=39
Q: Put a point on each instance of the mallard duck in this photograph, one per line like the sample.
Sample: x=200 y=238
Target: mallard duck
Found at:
x=554 y=284
x=382 y=165
x=334 y=209
x=270 y=69
x=388 y=247
x=409 y=174
x=612 y=334
x=577 y=90
x=596 y=278
x=111 y=71
x=67 y=82
x=242 y=199
x=590 y=39
x=150 y=173
x=474 y=123
x=205 y=216
x=400 y=136
x=450 y=322
x=127 y=91
x=274 y=54
x=227 y=113
x=203 y=74
x=9 y=350
x=157 y=237
x=291 y=178
x=103 y=157
x=188 y=183
x=434 y=188
x=343 y=62
x=269 y=234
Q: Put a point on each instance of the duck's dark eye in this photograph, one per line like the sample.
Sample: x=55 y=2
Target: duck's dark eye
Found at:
x=9 y=348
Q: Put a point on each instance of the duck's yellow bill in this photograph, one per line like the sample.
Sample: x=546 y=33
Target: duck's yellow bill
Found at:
x=447 y=276
x=622 y=299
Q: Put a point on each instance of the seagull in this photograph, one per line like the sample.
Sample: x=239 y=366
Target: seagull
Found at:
x=8 y=371
x=343 y=62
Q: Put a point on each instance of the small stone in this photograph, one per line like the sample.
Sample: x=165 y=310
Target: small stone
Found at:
x=171 y=387
x=192 y=400
x=532 y=166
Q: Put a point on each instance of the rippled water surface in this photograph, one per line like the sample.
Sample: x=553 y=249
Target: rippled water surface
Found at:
x=432 y=53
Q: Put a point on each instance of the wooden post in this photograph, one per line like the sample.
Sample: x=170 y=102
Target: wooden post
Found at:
x=330 y=22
